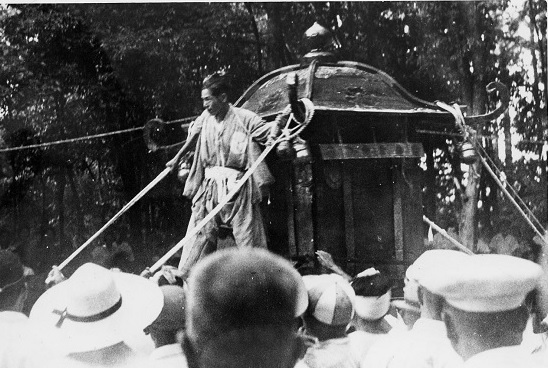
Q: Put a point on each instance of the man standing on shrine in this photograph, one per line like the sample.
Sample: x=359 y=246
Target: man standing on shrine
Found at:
x=225 y=141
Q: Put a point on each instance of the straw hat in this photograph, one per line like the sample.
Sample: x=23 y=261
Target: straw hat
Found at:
x=95 y=308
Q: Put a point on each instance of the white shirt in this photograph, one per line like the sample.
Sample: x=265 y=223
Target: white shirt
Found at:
x=424 y=346
x=19 y=346
x=504 y=357
x=169 y=356
x=333 y=353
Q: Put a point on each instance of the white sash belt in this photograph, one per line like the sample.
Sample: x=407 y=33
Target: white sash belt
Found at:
x=224 y=177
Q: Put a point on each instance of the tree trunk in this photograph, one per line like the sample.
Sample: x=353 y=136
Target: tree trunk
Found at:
x=475 y=98
x=506 y=126
x=275 y=21
x=79 y=213
x=60 y=200
x=249 y=8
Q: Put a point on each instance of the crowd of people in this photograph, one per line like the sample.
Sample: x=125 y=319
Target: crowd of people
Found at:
x=247 y=307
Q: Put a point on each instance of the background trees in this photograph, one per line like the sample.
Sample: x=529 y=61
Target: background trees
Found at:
x=77 y=70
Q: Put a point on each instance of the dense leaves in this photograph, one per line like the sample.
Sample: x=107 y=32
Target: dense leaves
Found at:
x=77 y=70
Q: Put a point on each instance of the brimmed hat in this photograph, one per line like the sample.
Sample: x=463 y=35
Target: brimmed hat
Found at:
x=485 y=283
x=330 y=298
x=95 y=308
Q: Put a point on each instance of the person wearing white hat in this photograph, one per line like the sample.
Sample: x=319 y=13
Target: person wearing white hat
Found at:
x=330 y=310
x=484 y=308
x=243 y=308
x=372 y=321
x=426 y=343
x=86 y=319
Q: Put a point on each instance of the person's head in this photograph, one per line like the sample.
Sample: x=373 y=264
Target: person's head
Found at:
x=95 y=309
x=484 y=301
x=171 y=320
x=444 y=260
x=330 y=306
x=242 y=310
x=215 y=90
x=373 y=294
x=13 y=289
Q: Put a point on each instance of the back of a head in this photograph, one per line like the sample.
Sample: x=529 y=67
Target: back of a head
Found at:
x=485 y=299
x=372 y=294
x=12 y=281
x=241 y=311
x=172 y=316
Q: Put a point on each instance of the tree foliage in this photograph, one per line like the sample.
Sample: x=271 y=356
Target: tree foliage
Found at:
x=76 y=70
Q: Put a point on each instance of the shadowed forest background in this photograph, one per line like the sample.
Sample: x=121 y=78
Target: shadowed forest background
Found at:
x=70 y=71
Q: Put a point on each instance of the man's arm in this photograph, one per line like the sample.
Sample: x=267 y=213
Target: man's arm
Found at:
x=193 y=134
x=189 y=145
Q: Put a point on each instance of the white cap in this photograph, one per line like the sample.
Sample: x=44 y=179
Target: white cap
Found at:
x=330 y=298
x=485 y=283
x=426 y=261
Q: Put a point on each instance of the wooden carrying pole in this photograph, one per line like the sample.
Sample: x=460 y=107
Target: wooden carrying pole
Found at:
x=442 y=231
x=160 y=176
x=505 y=191
x=216 y=209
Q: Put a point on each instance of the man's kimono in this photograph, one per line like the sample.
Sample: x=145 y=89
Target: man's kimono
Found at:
x=224 y=151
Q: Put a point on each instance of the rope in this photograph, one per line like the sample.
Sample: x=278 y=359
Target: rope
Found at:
x=91 y=137
x=506 y=184
x=113 y=219
x=45 y=144
x=287 y=134
x=444 y=233
x=459 y=118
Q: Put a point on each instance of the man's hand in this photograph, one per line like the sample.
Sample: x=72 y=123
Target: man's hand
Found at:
x=172 y=163
x=146 y=273
x=54 y=277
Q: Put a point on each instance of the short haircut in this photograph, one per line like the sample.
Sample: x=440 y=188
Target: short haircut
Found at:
x=241 y=306
x=491 y=326
x=217 y=84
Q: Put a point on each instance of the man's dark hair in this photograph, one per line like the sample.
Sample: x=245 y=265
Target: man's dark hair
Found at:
x=496 y=329
x=373 y=285
x=241 y=310
x=217 y=84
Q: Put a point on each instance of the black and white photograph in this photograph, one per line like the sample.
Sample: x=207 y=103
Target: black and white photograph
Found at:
x=341 y=184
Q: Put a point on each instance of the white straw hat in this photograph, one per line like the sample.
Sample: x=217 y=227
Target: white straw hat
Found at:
x=95 y=308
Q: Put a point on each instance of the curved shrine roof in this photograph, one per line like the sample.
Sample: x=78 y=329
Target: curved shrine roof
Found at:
x=338 y=86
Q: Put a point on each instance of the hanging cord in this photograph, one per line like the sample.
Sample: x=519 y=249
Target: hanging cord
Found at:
x=464 y=133
x=459 y=121
x=287 y=133
x=91 y=137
